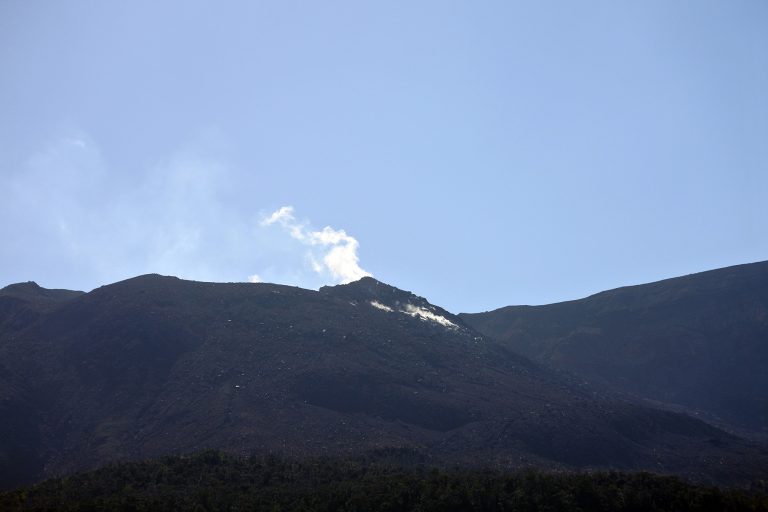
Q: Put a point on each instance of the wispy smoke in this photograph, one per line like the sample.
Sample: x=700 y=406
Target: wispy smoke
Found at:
x=332 y=251
x=68 y=219
x=83 y=225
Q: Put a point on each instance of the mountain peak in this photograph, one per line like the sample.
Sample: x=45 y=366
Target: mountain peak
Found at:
x=393 y=300
x=30 y=290
x=23 y=286
x=370 y=289
x=22 y=303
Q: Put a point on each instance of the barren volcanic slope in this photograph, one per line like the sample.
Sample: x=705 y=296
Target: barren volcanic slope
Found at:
x=156 y=365
x=22 y=303
x=700 y=341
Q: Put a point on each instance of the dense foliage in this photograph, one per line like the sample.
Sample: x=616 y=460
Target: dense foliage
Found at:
x=215 y=481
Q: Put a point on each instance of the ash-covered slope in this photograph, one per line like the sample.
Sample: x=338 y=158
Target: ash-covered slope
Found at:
x=33 y=292
x=21 y=306
x=156 y=365
x=699 y=341
x=22 y=303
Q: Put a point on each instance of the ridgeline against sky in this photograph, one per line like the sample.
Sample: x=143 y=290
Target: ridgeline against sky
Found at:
x=481 y=155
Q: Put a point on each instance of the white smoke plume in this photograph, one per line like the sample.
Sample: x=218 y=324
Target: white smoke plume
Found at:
x=333 y=250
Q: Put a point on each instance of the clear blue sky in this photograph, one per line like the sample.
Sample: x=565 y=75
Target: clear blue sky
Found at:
x=477 y=153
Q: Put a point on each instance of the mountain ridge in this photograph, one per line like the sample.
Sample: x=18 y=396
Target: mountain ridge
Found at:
x=697 y=341
x=154 y=365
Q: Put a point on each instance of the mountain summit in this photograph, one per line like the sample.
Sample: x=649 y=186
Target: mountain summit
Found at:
x=393 y=300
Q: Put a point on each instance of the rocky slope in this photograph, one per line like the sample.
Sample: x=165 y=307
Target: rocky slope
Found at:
x=699 y=341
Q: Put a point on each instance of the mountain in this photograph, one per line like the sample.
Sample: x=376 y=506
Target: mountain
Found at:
x=156 y=365
x=36 y=294
x=21 y=303
x=699 y=341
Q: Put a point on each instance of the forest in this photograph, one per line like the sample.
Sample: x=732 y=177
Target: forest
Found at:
x=215 y=481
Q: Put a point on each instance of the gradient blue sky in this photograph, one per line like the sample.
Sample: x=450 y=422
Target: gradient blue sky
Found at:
x=478 y=153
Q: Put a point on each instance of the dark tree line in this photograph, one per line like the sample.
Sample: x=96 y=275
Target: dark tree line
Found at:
x=213 y=481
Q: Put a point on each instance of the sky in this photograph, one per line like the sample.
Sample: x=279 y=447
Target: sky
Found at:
x=479 y=154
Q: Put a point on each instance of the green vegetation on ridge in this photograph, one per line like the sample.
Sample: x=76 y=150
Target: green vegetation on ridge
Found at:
x=213 y=481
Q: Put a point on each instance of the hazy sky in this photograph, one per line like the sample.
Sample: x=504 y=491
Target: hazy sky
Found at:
x=477 y=153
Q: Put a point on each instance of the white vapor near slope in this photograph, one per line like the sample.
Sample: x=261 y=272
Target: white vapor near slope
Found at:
x=72 y=218
x=333 y=250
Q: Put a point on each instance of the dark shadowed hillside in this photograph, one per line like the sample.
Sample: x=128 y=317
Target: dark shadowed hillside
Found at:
x=699 y=341
x=22 y=303
x=156 y=365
